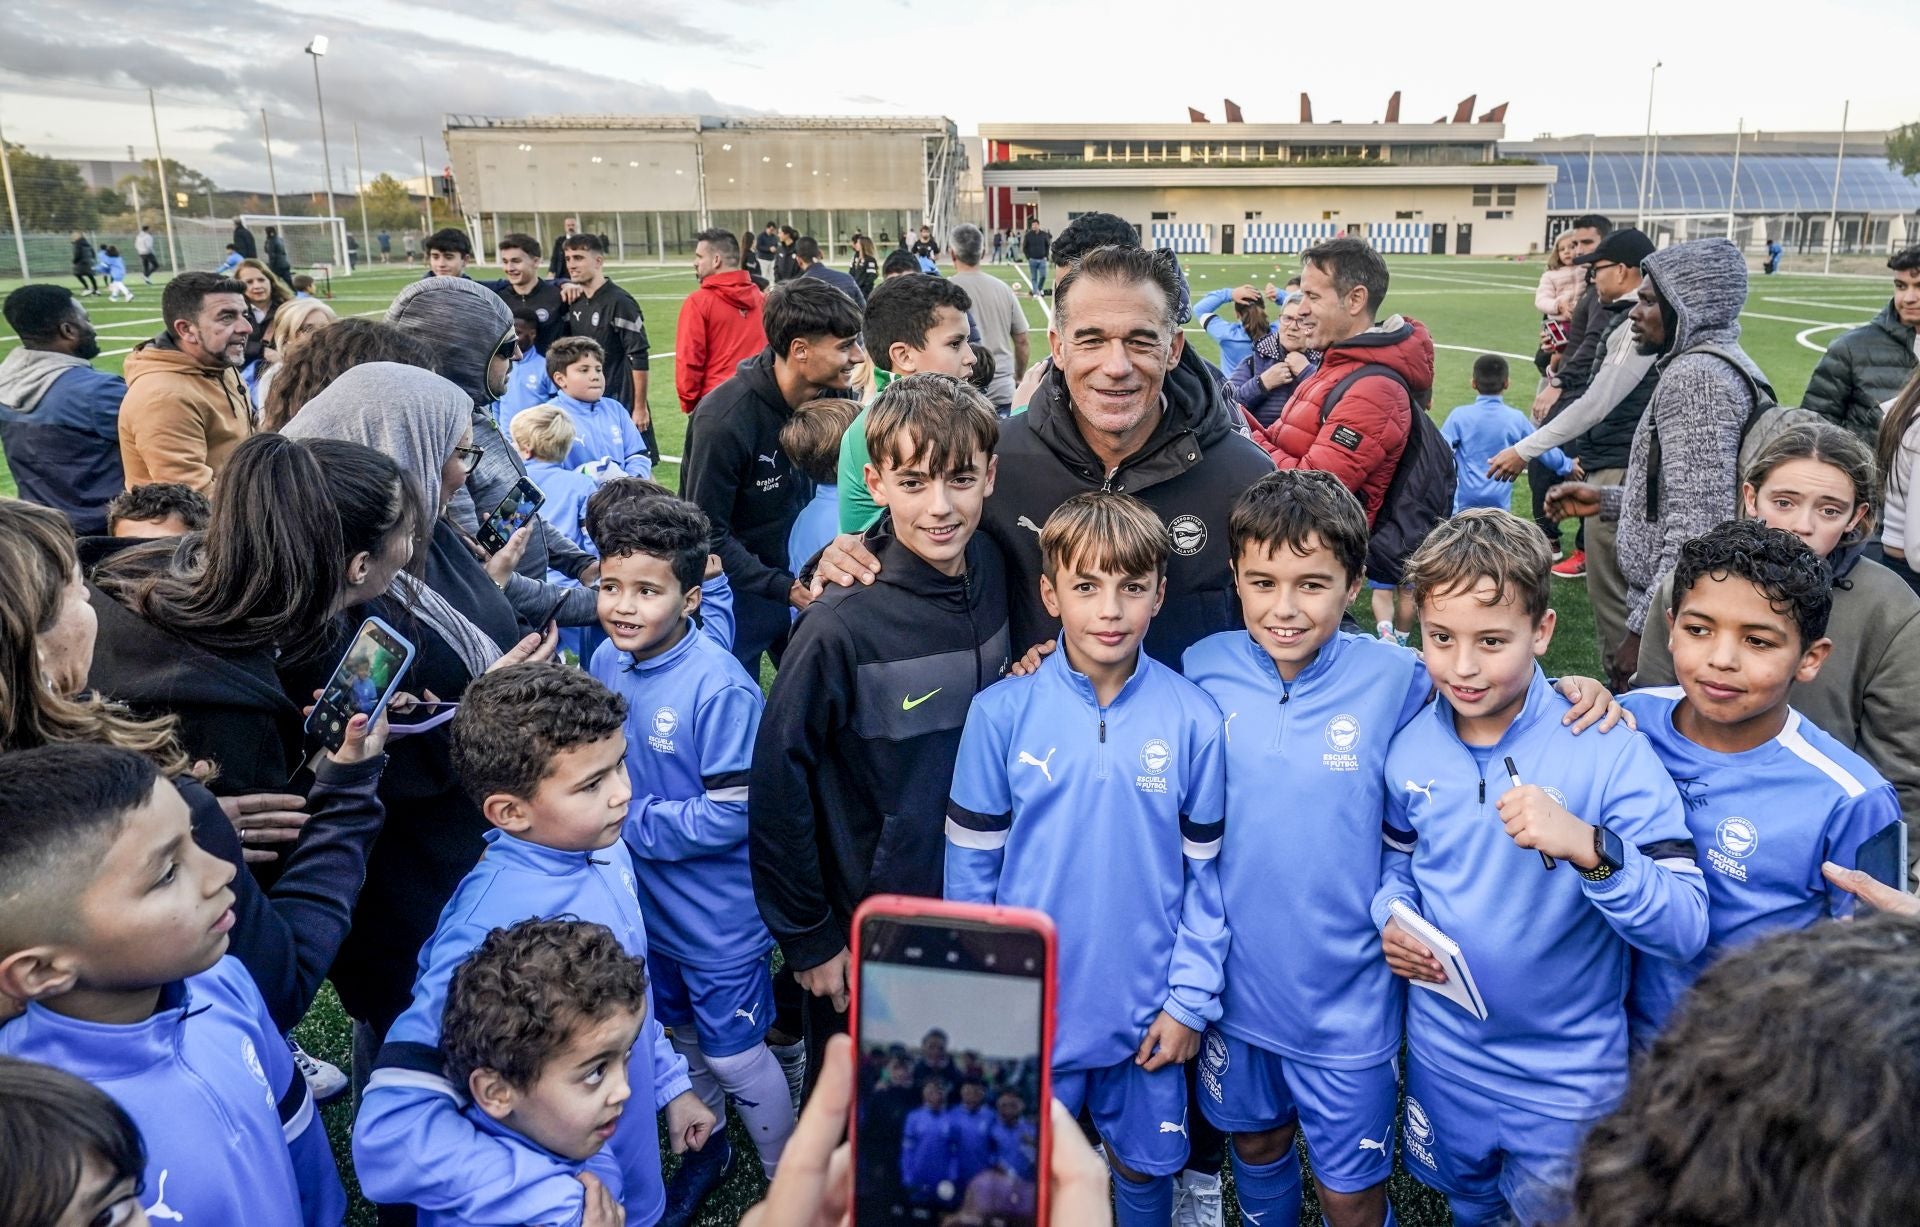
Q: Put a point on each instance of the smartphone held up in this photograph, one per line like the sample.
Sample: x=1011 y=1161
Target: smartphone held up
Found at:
x=952 y=1020
x=363 y=683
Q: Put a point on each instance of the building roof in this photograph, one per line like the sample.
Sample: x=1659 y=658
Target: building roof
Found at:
x=1703 y=182
x=1305 y=134
x=1166 y=175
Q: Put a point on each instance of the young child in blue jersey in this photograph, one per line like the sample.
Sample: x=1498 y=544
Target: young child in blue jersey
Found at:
x=1769 y=796
x=1104 y=756
x=1482 y=787
x=1309 y=1028
x=927 y=1159
x=606 y=442
x=972 y=1132
x=1480 y=430
x=113 y=931
x=543 y=435
x=715 y=613
x=692 y=713
x=115 y=268
x=527 y=382
x=811 y=439
x=71 y=1155
x=541 y=748
x=538 y=1025
x=1013 y=1141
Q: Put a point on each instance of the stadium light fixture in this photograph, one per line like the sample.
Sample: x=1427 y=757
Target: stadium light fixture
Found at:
x=316 y=48
x=525 y=148
x=597 y=159
x=633 y=164
x=765 y=158
x=726 y=148
x=789 y=166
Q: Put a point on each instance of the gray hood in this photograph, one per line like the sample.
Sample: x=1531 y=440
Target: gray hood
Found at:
x=461 y=321
x=26 y=374
x=410 y=414
x=1706 y=283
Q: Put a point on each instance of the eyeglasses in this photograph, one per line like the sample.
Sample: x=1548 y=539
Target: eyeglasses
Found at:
x=468 y=457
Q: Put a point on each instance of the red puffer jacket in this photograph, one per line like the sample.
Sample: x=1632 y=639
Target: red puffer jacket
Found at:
x=1361 y=440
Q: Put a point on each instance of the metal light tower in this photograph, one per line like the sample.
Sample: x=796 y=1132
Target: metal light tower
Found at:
x=316 y=49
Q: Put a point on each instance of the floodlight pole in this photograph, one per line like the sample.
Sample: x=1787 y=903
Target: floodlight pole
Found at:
x=273 y=182
x=1646 y=147
x=1833 y=207
x=160 y=172
x=360 y=170
x=13 y=208
x=316 y=49
x=426 y=198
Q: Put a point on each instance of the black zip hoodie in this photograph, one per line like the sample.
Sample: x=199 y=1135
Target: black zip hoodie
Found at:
x=736 y=472
x=854 y=760
x=1189 y=471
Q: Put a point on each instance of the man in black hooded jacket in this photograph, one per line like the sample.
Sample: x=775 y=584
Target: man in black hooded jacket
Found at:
x=1125 y=407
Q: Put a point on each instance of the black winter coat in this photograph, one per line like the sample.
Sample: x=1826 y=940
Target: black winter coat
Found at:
x=1860 y=372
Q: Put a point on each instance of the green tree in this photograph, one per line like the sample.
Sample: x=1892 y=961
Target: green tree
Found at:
x=180 y=178
x=390 y=206
x=51 y=194
x=1903 y=149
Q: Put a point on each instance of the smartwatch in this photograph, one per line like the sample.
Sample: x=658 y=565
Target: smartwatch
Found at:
x=1612 y=854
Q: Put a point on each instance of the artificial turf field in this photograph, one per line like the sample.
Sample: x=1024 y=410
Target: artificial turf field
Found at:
x=1471 y=306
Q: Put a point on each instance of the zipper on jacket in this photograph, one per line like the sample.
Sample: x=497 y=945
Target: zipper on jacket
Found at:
x=1280 y=725
x=1100 y=758
x=1483 y=790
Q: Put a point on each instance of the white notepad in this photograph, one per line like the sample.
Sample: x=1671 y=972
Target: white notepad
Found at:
x=1459 y=987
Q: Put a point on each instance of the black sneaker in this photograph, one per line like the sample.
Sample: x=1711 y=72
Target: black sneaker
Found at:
x=701 y=1172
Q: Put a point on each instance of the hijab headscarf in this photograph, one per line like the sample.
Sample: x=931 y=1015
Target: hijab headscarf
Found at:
x=417 y=418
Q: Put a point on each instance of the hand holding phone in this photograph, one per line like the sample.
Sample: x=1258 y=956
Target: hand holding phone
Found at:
x=512 y=513
x=362 y=684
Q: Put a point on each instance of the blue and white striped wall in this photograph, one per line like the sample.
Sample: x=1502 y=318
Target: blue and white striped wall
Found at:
x=1400 y=238
x=1184 y=237
x=1288 y=238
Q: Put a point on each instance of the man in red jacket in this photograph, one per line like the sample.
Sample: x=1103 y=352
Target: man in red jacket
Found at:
x=720 y=324
x=1342 y=284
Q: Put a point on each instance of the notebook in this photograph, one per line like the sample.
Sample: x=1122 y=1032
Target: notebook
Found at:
x=1459 y=987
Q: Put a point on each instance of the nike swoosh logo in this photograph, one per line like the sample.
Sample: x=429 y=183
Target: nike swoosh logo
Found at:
x=907 y=704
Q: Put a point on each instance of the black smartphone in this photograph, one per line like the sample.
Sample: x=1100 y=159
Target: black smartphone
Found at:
x=522 y=500
x=952 y=1024
x=363 y=682
x=1884 y=856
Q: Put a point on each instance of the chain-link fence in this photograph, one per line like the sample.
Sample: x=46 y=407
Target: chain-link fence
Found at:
x=99 y=163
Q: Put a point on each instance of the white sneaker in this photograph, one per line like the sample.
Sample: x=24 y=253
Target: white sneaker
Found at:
x=323 y=1078
x=1196 y=1200
x=1383 y=631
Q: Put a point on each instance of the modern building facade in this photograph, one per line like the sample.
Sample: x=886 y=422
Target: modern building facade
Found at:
x=1236 y=187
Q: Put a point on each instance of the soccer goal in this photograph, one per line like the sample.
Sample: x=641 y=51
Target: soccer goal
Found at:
x=312 y=242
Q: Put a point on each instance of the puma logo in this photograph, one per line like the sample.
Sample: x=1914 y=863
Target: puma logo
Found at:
x=1024 y=522
x=1252 y=1216
x=774 y=460
x=1227 y=726
x=1042 y=763
x=160 y=1209
x=1167 y=1126
x=1425 y=790
x=1370 y=1144
x=748 y=1014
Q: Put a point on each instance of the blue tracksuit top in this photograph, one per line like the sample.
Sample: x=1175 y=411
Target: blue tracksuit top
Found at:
x=815 y=527
x=972 y=1139
x=1108 y=820
x=231 y=1131
x=1762 y=821
x=1549 y=950
x=692 y=715
x=115 y=267
x=927 y=1148
x=1304 y=974
x=601 y=1164
x=1014 y=1148
x=605 y=431
x=1226 y=330
x=567 y=491
x=411 y=1143
x=527 y=386
x=1479 y=431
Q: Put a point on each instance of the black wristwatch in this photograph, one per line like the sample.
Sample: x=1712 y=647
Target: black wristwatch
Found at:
x=1612 y=854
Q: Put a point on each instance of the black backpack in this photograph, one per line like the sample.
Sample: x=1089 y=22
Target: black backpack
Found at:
x=1420 y=494
x=1764 y=422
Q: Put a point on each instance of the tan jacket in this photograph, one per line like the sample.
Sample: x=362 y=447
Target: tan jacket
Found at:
x=180 y=420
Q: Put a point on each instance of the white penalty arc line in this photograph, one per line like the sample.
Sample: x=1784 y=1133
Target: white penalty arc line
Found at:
x=1805 y=333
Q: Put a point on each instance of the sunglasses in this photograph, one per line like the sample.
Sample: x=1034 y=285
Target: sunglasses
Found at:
x=468 y=457
x=509 y=348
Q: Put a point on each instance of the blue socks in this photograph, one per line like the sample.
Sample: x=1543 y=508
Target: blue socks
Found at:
x=1270 y=1194
x=1149 y=1204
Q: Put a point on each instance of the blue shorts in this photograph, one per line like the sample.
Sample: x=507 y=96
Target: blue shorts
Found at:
x=729 y=1008
x=1493 y=1160
x=1141 y=1116
x=1346 y=1114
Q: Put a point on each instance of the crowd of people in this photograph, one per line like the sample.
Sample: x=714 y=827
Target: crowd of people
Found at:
x=1050 y=634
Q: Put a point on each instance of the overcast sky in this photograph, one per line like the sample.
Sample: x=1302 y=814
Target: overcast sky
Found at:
x=398 y=67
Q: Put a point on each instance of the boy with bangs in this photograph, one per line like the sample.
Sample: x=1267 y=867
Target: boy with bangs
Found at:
x=606 y=442
x=1105 y=757
x=692 y=714
x=538 y=1025
x=541 y=748
x=1309 y=1028
x=113 y=931
x=1769 y=796
x=1485 y=795
x=714 y=614
x=857 y=746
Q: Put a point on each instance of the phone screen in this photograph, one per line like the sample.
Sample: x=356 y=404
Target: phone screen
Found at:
x=522 y=500
x=949 y=1108
x=366 y=678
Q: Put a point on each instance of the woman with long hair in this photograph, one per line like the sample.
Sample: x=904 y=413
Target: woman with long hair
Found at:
x=265 y=294
x=293 y=324
x=865 y=269
x=1898 y=454
x=287 y=937
x=306 y=372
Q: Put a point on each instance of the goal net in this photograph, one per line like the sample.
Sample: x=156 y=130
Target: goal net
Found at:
x=311 y=241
